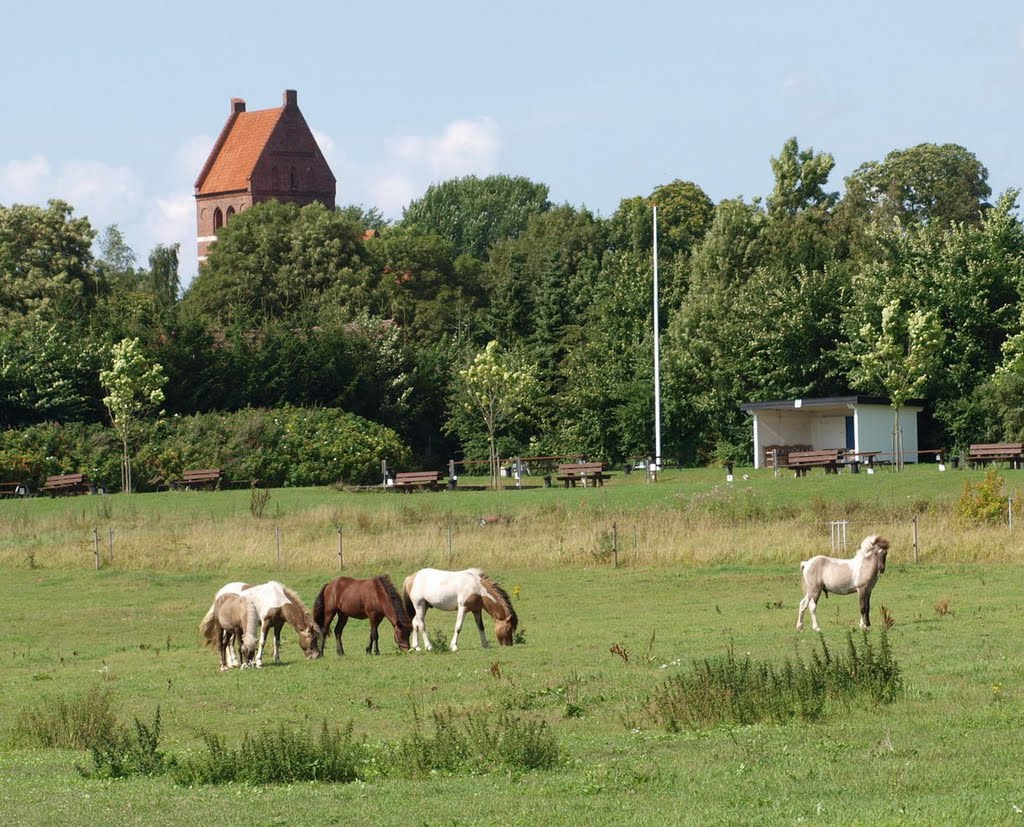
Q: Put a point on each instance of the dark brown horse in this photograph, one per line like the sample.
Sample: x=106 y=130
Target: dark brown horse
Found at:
x=374 y=598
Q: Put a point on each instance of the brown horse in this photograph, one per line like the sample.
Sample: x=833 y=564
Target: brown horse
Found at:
x=373 y=598
x=232 y=618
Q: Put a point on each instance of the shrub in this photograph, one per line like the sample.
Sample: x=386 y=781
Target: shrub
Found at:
x=279 y=756
x=984 y=502
x=745 y=692
x=75 y=723
x=128 y=752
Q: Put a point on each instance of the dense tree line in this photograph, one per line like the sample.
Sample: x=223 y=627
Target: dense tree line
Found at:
x=909 y=280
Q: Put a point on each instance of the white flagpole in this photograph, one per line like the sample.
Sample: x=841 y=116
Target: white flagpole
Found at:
x=657 y=353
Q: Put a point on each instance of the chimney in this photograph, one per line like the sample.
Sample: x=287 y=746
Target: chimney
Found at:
x=291 y=99
x=237 y=105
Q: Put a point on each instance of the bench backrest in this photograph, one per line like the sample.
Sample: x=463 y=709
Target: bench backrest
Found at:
x=65 y=479
x=201 y=475
x=581 y=468
x=982 y=449
x=417 y=476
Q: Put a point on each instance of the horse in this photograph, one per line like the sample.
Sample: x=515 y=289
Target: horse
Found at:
x=232 y=618
x=373 y=598
x=829 y=574
x=470 y=590
x=277 y=605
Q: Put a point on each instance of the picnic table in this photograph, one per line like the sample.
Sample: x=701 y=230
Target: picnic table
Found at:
x=8 y=490
x=983 y=453
x=802 y=461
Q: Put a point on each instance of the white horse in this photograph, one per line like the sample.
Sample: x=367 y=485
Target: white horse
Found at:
x=276 y=605
x=470 y=590
x=829 y=574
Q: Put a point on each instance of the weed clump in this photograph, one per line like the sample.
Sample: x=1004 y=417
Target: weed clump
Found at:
x=74 y=723
x=984 y=502
x=742 y=691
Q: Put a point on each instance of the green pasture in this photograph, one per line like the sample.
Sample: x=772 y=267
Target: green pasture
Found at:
x=947 y=751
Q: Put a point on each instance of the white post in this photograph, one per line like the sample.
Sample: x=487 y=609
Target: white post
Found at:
x=657 y=352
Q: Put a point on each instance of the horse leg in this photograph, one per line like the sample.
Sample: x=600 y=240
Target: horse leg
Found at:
x=221 y=650
x=373 y=647
x=264 y=630
x=419 y=622
x=342 y=620
x=810 y=601
x=277 y=644
x=459 y=617
x=479 y=616
x=226 y=646
x=800 y=613
x=865 y=607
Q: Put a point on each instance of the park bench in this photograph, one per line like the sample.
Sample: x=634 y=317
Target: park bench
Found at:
x=827 y=458
x=199 y=478
x=69 y=484
x=9 y=490
x=982 y=453
x=583 y=472
x=410 y=480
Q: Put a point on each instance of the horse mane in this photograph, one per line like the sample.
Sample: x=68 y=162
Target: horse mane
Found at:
x=294 y=607
x=503 y=598
x=396 y=600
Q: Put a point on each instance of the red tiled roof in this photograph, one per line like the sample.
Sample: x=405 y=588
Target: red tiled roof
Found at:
x=239 y=152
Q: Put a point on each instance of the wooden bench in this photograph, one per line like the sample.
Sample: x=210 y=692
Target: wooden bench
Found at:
x=827 y=458
x=583 y=472
x=199 y=478
x=409 y=480
x=982 y=453
x=9 y=490
x=66 y=484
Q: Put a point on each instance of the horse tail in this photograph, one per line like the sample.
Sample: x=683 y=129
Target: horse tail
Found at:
x=318 y=606
x=410 y=609
x=208 y=627
x=251 y=634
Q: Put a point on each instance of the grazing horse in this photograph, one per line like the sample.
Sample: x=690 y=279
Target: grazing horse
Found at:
x=858 y=574
x=470 y=590
x=373 y=598
x=232 y=618
x=277 y=605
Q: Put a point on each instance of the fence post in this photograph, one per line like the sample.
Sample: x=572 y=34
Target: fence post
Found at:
x=111 y=538
x=915 y=538
x=384 y=473
x=341 y=550
x=277 y=533
x=615 y=544
x=1009 y=509
x=96 y=546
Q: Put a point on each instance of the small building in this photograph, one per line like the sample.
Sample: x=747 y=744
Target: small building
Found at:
x=859 y=424
x=269 y=153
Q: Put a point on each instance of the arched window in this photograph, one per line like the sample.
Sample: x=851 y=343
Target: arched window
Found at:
x=218 y=220
x=228 y=215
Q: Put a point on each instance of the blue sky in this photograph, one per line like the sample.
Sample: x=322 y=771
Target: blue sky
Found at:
x=113 y=106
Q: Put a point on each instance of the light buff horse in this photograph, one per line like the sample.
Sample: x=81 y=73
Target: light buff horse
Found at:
x=276 y=605
x=459 y=591
x=232 y=619
x=829 y=574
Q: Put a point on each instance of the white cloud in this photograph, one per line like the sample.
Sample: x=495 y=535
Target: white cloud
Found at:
x=412 y=162
x=104 y=193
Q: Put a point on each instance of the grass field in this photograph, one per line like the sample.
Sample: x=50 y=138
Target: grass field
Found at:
x=713 y=568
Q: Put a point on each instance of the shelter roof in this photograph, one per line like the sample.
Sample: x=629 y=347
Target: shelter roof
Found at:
x=825 y=402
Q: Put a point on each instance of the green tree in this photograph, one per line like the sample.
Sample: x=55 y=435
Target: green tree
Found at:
x=926 y=183
x=164 y=281
x=474 y=213
x=897 y=357
x=498 y=387
x=46 y=261
x=134 y=387
x=277 y=259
